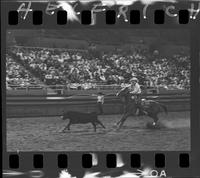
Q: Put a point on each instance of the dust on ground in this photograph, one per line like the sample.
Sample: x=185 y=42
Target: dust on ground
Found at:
x=44 y=134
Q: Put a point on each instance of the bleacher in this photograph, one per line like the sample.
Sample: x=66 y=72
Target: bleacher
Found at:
x=43 y=70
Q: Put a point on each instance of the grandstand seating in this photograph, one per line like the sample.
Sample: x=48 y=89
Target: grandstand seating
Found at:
x=80 y=69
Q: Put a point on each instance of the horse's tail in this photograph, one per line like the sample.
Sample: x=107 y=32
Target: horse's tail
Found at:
x=164 y=108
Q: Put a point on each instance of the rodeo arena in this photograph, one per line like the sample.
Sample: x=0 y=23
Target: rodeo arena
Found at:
x=98 y=90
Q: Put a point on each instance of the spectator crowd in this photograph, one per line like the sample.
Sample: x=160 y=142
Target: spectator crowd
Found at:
x=64 y=67
x=17 y=75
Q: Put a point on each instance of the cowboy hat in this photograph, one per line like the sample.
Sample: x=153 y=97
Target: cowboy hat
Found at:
x=134 y=79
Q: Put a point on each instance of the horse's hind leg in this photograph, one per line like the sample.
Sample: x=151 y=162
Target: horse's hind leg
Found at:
x=155 y=118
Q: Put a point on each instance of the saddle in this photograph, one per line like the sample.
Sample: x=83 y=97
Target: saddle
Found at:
x=145 y=102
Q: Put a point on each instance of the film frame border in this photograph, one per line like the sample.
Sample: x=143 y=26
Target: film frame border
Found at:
x=73 y=158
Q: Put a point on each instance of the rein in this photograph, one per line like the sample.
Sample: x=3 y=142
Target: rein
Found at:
x=127 y=98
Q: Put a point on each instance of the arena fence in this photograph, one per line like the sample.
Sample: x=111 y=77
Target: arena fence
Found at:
x=78 y=89
x=43 y=106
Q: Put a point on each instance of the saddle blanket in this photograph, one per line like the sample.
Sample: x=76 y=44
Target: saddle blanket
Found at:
x=145 y=103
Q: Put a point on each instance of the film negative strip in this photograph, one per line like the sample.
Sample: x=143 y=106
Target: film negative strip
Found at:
x=100 y=88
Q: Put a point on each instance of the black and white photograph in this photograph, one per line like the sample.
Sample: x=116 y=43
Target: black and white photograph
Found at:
x=98 y=90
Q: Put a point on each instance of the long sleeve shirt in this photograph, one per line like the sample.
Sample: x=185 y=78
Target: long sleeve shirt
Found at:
x=100 y=99
x=134 y=89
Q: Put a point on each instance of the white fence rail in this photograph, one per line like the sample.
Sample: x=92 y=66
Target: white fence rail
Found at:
x=67 y=89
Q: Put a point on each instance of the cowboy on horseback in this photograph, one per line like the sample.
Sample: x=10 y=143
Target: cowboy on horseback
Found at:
x=135 y=91
x=134 y=105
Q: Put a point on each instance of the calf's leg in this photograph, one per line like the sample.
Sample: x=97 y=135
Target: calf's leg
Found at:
x=100 y=123
x=94 y=125
x=68 y=127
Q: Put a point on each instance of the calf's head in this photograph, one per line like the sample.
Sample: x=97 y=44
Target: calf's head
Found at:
x=64 y=116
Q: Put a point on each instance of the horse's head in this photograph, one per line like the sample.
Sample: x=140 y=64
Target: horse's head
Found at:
x=124 y=94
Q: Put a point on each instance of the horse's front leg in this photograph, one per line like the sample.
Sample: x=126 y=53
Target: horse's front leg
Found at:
x=120 y=119
x=123 y=119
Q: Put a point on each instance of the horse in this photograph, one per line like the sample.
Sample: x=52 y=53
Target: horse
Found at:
x=151 y=108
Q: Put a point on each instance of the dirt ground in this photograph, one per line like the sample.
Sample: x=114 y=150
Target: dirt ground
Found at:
x=44 y=134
